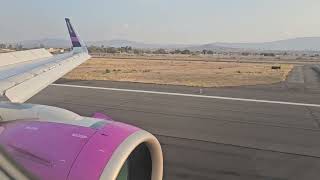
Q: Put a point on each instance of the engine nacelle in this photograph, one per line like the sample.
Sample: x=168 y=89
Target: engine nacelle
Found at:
x=53 y=143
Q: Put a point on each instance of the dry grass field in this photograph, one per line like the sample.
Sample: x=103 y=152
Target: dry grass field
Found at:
x=5 y=50
x=189 y=73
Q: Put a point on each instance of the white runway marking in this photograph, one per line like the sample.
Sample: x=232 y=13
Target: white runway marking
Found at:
x=191 y=95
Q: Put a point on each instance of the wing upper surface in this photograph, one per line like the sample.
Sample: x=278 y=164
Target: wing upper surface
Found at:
x=20 y=81
x=23 y=74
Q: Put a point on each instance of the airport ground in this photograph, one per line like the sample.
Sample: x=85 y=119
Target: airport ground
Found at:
x=188 y=72
x=208 y=135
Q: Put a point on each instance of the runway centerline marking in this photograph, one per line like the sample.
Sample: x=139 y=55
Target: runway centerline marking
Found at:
x=190 y=95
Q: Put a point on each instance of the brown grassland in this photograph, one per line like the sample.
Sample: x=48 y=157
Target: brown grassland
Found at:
x=189 y=73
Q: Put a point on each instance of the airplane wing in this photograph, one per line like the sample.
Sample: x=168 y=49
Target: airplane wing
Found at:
x=27 y=131
x=24 y=73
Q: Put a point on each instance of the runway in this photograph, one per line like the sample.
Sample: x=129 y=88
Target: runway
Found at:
x=213 y=138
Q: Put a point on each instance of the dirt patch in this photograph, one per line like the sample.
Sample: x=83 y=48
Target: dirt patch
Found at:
x=189 y=73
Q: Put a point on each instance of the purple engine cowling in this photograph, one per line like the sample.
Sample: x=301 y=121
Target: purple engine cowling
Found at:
x=52 y=150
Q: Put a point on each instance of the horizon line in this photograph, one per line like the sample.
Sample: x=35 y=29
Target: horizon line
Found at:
x=169 y=43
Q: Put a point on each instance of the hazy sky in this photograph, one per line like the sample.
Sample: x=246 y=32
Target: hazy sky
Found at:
x=161 y=21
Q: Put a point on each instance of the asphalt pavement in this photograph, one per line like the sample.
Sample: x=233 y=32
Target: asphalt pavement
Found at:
x=212 y=138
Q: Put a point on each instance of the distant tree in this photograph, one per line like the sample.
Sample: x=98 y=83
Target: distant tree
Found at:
x=18 y=47
x=92 y=49
x=42 y=46
x=138 y=51
x=268 y=54
x=160 y=51
x=10 y=46
x=171 y=52
x=103 y=49
x=177 y=51
x=124 y=49
x=147 y=51
x=245 y=53
x=186 y=51
x=204 y=51
x=196 y=53
x=96 y=49
x=112 y=50
x=121 y=49
x=210 y=52
x=3 y=46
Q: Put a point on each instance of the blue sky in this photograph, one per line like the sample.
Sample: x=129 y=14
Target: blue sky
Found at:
x=162 y=21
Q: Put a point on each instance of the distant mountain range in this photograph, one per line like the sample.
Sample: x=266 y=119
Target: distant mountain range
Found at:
x=297 y=44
